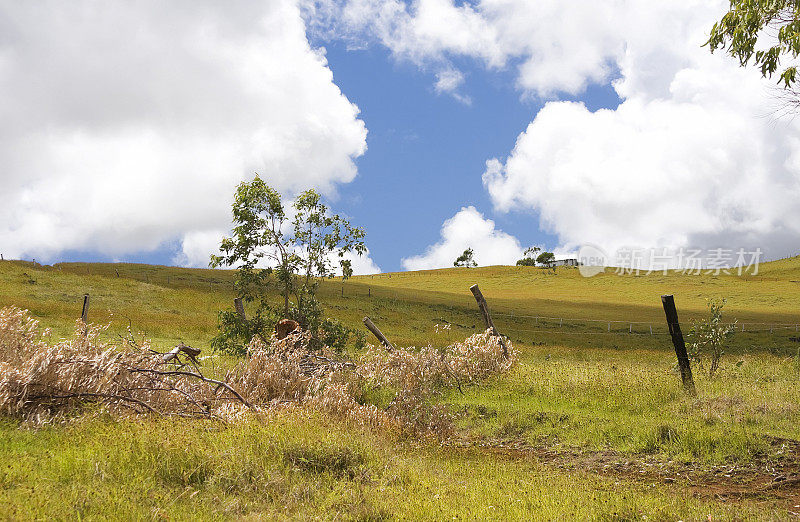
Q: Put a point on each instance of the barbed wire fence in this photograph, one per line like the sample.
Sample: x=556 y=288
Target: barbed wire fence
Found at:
x=461 y=314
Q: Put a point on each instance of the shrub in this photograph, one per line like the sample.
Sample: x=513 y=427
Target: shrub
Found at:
x=708 y=337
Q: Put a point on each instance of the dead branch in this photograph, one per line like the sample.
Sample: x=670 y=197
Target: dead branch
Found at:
x=196 y=376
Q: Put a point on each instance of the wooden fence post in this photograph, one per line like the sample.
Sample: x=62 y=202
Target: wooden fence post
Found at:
x=484 y=308
x=680 y=346
x=487 y=318
x=377 y=333
x=85 y=309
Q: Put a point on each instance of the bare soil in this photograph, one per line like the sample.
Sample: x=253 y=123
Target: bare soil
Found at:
x=774 y=476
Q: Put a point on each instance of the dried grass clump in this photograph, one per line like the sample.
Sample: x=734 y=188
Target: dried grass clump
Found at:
x=417 y=374
x=38 y=380
x=477 y=357
x=19 y=335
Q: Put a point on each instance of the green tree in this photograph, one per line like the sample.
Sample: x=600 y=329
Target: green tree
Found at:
x=529 y=257
x=272 y=251
x=466 y=259
x=546 y=258
x=738 y=32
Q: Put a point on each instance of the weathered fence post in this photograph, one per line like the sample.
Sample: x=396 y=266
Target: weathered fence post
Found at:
x=487 y=318
x=85 y=309
x=237 y=303
x=484 y=308
x=377 y=333
x=680 y=346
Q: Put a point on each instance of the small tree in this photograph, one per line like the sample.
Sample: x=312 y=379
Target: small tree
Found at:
x=708 y=337
x=272 y=251
x=546 y=258
x=466 y=259
x=529 y=258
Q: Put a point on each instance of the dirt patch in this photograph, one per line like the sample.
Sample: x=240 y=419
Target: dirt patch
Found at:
x=774 y=476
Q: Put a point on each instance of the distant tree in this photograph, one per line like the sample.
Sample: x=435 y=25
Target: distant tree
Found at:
x=546 y=258
x=271 y=250
x=740 y=29
x=529 y=258
x=466 y=259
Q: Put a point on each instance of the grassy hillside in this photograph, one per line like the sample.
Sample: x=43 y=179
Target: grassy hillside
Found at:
x=591 y=424
x=531 y=305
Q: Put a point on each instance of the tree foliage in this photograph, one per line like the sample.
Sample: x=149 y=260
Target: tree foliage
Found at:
x=746 y=24
x=466 y=259
x=529 y=257
x=708 y=337
x=545 y=258
x=288 y=252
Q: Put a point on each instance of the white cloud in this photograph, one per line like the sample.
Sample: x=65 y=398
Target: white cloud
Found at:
x=448 y=81
x=690 y=158
x=197 y=246
x=126 y=125
x=555 y=46
x=427 y=32
x=361 y=265
x=468 y=229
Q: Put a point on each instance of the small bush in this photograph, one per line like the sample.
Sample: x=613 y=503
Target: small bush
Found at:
x=708 y=337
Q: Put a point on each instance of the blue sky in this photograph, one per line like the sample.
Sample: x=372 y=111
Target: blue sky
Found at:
x=427 y=151
x=483 y=124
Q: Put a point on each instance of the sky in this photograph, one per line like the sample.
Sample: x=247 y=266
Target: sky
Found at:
x=437 y=125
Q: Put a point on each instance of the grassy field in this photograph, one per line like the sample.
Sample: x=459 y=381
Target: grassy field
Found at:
x=592 y=424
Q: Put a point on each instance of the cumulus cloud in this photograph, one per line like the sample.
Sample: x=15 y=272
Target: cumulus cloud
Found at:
x=128 y=124
x=468 y=229
x=690 y=158
x=199 y=244
x=361 y=265
x=555 y=46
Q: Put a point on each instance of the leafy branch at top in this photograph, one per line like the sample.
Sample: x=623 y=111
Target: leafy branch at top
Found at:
x=740 y=29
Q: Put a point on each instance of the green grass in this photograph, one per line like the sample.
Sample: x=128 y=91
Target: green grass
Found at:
x=299 y=468
x=577 y=386
x=602 y=399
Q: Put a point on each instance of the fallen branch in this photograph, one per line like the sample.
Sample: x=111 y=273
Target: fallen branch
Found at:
x=196 y=376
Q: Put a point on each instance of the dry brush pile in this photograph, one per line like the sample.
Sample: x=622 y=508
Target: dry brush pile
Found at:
x=40 y=379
